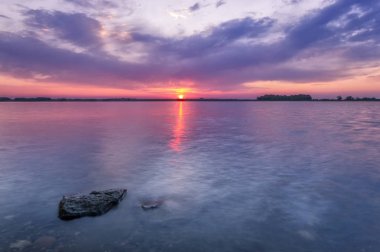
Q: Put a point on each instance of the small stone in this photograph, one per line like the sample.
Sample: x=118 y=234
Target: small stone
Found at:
x=20 y=244
x=93 y=204
x=45 y=242
x=147 y=205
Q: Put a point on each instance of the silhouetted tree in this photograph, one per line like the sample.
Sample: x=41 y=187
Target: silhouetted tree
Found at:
x=349 y=98
x=35 y=99
x=299 y=97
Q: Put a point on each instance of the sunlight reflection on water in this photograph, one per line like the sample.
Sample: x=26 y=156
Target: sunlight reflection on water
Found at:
x=178 y=130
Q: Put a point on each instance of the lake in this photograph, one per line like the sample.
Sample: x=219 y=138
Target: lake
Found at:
x=233 y=176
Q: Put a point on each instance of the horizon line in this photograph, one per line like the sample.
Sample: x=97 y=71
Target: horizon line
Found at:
x=269 y=97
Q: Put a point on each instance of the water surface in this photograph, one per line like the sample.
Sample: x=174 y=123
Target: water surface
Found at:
x=234 y=176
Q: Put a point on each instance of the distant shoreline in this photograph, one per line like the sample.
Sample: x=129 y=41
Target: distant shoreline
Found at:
x=176 y=100
x=266 y=98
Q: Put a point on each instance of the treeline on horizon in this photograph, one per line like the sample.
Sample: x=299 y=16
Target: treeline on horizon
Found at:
x=305 y=97
x=299 y=97
x=268 y=97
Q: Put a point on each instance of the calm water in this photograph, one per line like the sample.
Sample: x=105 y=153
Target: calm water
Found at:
x=233 y=176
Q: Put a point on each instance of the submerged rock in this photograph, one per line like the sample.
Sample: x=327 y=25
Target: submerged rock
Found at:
x=146 y=205
x=93 y=204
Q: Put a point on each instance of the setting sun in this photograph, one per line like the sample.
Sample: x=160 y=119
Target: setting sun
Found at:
x=181 y=97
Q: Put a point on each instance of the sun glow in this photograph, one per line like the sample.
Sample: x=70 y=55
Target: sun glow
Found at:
x=181 y=97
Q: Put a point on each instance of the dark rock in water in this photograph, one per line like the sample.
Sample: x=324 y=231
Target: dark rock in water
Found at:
x=93 y=204
x=146 y=205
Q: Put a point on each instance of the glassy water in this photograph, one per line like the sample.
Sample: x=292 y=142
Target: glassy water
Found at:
x=248 y=176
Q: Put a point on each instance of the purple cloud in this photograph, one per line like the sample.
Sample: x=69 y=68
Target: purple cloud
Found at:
x=26 y=56
x=76 y=28
x=81 y=3
x=221 y=57
x=93 y=4
x=220 y=3
x=210 y=41
x=195 y=7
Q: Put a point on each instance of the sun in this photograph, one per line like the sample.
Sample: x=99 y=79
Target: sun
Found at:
x=181 y=97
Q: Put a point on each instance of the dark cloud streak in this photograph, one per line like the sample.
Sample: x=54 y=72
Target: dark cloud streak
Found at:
x=81 y=3
x=220 y=3
x=93 y=3
x=195 y=7
x=77 y=28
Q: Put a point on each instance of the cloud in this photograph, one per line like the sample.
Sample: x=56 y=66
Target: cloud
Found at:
x=81 y=3
x=222 y=57
x=27 y=57
x=76 y=28
x=178 y=14
x=220 y=3
x=338 y=26
x=221 y=54
x=295 y=2
x=93 y=4
x=209 y=41
x=195 y=7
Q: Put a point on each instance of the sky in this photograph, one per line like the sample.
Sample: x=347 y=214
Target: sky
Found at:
x=204 y=48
